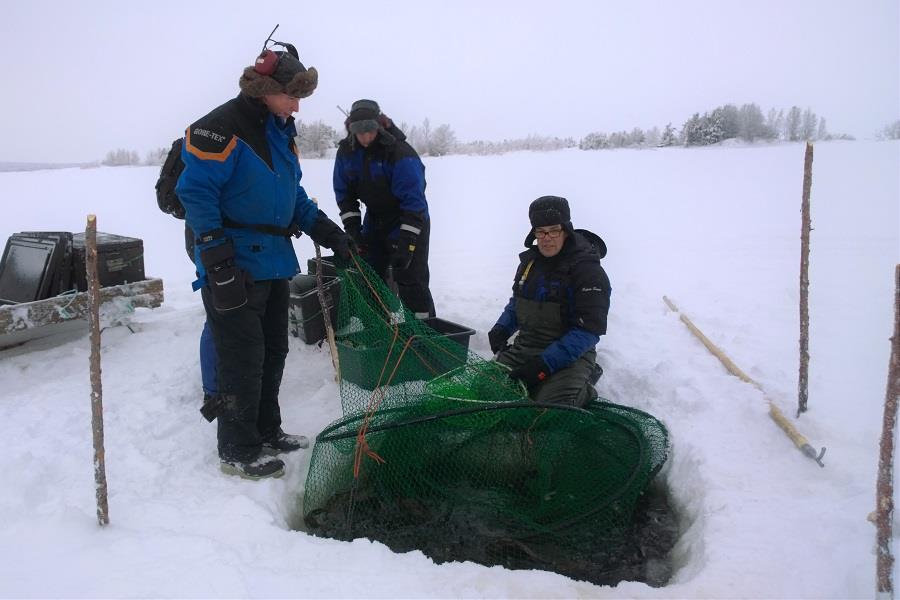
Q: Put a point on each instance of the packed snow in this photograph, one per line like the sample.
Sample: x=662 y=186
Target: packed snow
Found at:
x=715 y=229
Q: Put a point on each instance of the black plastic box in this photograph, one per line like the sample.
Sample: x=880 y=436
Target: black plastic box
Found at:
x=120 y=260
x=421 y=358
x=34 y=266
x=61 y=280
x=306 y=319
x=328 y=268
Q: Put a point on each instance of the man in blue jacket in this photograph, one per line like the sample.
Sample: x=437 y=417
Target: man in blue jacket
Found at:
x=374 y=165
x=242 y=197
x=559 y=307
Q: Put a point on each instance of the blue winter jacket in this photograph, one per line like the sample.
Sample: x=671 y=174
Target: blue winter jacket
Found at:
x=241 y=165
x=388 y=177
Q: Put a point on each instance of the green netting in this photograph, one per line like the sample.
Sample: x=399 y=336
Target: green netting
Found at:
x=486 y=483
x=440 y=451
x=382 y=346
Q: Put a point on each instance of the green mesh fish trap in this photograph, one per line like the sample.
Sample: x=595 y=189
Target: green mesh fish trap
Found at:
x=387 y=355
x=440 y=451
x=517 y=484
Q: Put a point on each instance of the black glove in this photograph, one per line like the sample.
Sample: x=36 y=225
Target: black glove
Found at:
x=322 y=229
x=326 y=233
x=402 y=250
x=497 y=337
x=212 y=406
x=532 y=372
x=353 y=226
x=342 y=244
x=227 y=283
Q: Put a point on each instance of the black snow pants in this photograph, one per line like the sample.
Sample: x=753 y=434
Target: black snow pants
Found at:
x=541 y=324
x=252 y=344
x=412 y=283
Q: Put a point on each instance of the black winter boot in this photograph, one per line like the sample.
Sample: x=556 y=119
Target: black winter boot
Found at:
x=261 y=467
x=284 y=442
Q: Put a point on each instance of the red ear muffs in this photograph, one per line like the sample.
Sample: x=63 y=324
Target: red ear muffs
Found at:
x=266 y=63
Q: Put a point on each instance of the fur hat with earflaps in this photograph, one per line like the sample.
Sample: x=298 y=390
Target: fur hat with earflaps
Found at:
x=363 y=116
x=366 y=116
x=547 y=211
x=289 y=77
x=550 y=210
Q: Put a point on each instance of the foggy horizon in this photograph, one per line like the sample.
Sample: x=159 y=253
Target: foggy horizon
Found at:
x=98 y=76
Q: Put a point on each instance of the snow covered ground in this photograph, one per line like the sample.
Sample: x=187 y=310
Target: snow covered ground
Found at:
x=715 y=229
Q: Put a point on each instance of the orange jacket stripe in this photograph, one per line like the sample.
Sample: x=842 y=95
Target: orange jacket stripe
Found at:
x=218 y=156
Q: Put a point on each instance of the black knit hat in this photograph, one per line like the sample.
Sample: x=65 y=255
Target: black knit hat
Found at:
x=363 y=116
x=290 y=77
x=550 y=210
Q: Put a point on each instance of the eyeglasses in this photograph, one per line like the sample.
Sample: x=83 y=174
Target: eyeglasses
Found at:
x=550 y=233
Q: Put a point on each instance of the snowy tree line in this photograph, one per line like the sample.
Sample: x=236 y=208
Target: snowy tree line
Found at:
x=746 y=123
x=636 y=138
x=890 y=132
x=315 y=139
x=440 y=141
x=726 y=122
x=121 y=157
x=532 y=142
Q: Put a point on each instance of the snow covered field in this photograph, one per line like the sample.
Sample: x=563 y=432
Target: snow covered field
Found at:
x=716 y=229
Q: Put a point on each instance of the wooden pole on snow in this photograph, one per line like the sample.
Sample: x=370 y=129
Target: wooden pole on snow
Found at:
x=326 y=311
x=326 y=315
x=884 y=496
x=776 y=415
x=96 y=385
x=805 y=228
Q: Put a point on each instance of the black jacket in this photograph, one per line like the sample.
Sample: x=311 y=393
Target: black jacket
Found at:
x=575 y=280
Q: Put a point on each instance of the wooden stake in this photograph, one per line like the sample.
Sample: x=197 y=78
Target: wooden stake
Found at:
x=774 y=413
x=326 y=310
x=94 y=300
x=326 y=315
x=884 y=496
x=805 y=228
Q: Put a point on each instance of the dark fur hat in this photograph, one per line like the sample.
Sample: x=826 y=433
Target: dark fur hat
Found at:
x=546 y=211
x=550 y=210
x=290 y=77
x=363 y=116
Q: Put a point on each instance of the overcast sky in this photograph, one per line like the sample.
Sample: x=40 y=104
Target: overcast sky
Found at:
x=82 y=78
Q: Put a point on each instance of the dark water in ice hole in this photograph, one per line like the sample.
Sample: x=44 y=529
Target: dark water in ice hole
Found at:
x=641 y=555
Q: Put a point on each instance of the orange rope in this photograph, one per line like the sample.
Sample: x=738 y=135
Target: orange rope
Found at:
x=378 y=394
x=362 y=445
x=369 y=284
x=530 y=427
x=387 y=359
x=432 y=345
